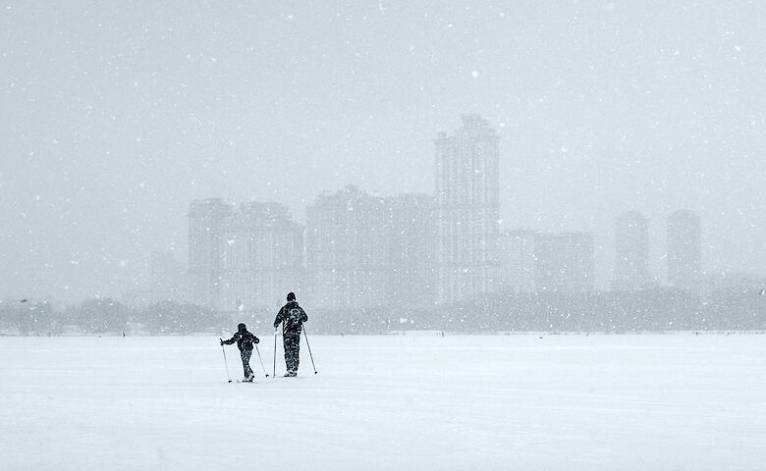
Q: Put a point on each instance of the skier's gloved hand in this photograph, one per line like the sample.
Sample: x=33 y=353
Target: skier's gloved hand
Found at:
x=256 y=339
x=221 y=340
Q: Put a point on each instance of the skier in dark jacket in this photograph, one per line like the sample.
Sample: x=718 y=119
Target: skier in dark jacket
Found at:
x=292 y=317
x=245 y=341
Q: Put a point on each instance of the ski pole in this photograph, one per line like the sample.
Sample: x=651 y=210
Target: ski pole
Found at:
x=261 y=360
x=225 y=361
x=274 y=371
x=306 y=334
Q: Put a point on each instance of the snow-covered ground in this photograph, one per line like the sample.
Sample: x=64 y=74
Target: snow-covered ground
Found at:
x=414 y=402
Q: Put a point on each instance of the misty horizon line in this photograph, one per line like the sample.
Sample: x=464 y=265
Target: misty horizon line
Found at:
x=743 y=288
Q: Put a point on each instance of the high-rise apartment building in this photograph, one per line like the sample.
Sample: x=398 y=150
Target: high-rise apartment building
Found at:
x=517 y=261
x=263 y=256
x=243 y=257
x=631 y=267
x=206 y=226
x=467 y=200
x=346 y=250
x=411 y=250
x=684 y=258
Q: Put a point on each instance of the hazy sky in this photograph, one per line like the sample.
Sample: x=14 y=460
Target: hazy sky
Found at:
x=115 y=115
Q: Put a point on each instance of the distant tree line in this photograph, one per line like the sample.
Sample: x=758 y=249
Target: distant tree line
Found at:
x=652 y=310
x=108 y=316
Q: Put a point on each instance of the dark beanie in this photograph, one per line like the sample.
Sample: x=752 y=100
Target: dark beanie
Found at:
x=291 y=296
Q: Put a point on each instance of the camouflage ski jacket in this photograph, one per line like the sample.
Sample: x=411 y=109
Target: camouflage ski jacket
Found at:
x=292 y=317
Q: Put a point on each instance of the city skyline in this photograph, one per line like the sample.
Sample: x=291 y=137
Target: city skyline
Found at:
x=416 y=249
x=658 y=274
x=598 y=109
x=380 y=251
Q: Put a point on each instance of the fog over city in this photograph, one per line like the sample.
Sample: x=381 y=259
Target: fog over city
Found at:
x=114 y=117
x=411 y=235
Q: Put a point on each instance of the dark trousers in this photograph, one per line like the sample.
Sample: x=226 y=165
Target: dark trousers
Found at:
x=292 y=344
x=245 y=355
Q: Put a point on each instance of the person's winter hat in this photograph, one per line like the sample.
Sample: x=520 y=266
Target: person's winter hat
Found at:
x=291 y=296
x=241 y=327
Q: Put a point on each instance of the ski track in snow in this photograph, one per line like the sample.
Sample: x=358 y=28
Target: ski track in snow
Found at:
x=387 y=403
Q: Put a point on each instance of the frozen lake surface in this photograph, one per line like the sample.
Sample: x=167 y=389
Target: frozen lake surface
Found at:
x=414 y=402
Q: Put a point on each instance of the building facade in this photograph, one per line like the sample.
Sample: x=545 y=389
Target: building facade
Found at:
x=517 y=262
x=263 y=256
x=631 y=267
x=243 y=257
x=206 y=225
x=346 y=250
x=411 y=250
x=467 y=201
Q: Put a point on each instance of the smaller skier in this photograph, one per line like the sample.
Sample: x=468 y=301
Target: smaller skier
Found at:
x=245 y=341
